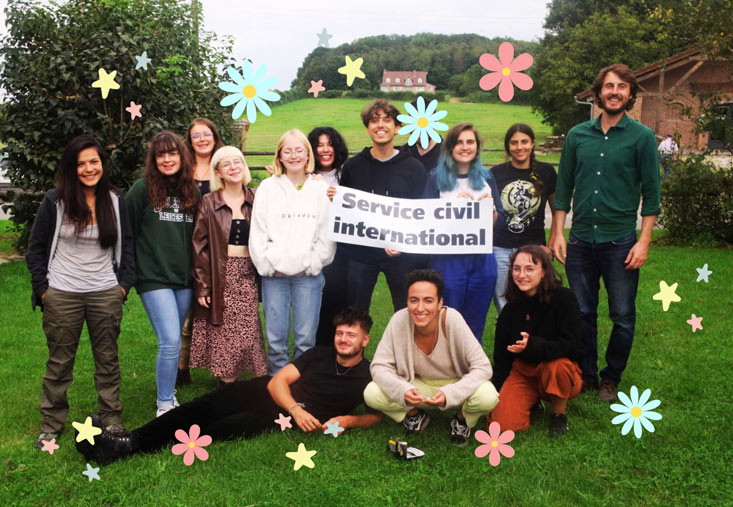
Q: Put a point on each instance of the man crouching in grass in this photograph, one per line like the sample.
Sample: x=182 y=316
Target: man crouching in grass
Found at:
x=428 y=357
x=317 y=388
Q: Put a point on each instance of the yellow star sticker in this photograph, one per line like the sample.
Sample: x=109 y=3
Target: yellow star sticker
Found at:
x=666 y=295
x=352 y=69
x=86 y=431
x=106 y=82
x=302 y=457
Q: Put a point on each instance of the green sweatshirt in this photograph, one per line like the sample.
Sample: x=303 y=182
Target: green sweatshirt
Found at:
x=163 y=251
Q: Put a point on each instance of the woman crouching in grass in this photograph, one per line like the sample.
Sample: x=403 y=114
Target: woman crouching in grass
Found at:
x=82 y=265
x=227 y=333
x=537 y=345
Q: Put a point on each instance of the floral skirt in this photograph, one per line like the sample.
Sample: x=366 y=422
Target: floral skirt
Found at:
x=236 y=345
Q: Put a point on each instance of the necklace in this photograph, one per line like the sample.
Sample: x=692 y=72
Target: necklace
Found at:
x=341 y=373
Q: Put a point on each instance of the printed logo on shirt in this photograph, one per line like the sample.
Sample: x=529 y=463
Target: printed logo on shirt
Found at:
x=520 y=205
x=172 y=203
x=299 y=215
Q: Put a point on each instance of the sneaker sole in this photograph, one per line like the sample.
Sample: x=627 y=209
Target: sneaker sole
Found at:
x=420 y=428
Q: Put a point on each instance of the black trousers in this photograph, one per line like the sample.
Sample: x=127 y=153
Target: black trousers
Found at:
x=238 y=410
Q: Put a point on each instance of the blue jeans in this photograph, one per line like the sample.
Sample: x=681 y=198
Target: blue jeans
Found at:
x=279 y=295
x=167 y=309
x=363 y=278
x=502 y=274
x=586 y=264
x=469 y=284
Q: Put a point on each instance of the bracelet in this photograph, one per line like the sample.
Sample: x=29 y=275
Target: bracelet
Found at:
x=301 y=405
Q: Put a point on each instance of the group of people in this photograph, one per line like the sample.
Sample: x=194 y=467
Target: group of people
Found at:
x=201 y=264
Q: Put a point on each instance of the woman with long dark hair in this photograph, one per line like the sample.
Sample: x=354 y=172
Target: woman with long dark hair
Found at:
x=202 y=141
x=330 y=153
x=537 y=344
x=162 y=205
x=525 y=187
x=227 y=333
x=469 y=278
x=82 y=265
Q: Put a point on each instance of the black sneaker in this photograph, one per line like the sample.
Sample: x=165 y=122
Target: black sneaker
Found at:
x=107 y=447
x=416 y=423
x=459 y=432
x=558 y=425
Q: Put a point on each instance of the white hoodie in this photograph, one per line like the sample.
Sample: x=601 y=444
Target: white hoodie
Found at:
x=288 y=229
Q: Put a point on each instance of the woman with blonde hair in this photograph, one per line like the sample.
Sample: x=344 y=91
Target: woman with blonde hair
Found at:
x=289 y=248
x=227 y=333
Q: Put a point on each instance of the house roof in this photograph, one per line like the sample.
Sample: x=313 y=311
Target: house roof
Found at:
x=690 y=55
x=404 y=74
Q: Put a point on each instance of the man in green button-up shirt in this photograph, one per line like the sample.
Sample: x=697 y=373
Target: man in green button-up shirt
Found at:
x=607 y=165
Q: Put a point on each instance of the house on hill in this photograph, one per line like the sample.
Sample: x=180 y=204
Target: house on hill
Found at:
x=414 y=81
x=668 y=86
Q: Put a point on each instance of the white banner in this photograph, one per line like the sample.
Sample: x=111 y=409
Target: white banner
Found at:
x=428 y=226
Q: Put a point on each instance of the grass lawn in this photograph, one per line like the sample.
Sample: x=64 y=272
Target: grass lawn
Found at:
x=491 y=120
x=682 y=462
x=6 y=237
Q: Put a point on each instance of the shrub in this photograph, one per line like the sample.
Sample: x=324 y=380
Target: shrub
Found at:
x=697 y=203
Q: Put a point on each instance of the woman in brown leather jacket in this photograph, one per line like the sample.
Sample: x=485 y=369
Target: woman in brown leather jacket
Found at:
x=227 y=333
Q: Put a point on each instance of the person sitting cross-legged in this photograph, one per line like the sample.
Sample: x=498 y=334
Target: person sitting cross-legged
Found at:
x=428 y=357
x=319 y=387
x=537 y=344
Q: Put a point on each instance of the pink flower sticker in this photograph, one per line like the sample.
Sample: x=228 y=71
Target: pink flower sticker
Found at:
x=192 y=445
x=494 y=443
x=505 y=71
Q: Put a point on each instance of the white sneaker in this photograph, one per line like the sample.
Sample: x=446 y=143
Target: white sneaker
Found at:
x=164 y=407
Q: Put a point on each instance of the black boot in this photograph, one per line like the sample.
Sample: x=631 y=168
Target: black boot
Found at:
x=107 y=447
x=183 y=377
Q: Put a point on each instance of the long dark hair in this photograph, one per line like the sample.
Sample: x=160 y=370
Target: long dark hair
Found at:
x=446 y=172
x=525 y=129
x=549 y=283
x=69 y=190
x=217 y=138
x=158 y=185
x=340 y=151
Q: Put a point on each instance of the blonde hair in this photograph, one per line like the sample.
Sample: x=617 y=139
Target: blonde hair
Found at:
x=310 y=165
x=226 y=152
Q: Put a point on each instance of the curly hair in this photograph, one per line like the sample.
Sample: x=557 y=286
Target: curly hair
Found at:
x=353 y=315
x=380 y=105
x=425 y=275
x=625 y=73
x=550 y=280
x=180 y=184
x=340 y=151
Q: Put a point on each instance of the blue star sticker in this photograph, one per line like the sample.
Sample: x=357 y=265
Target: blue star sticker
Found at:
x=333 y=429
x=703 y=273
x=142 y=61
x=323 y=38
x=92 y=473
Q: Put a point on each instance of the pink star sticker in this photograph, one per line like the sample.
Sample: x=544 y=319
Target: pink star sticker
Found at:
x=134 y=110
x=695 y=323
x=316 y=87
x=49 y=445
x=283 y=421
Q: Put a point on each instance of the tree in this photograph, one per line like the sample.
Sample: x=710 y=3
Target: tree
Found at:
x=52 y=54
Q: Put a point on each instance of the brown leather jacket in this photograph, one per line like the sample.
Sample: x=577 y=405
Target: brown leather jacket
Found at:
x=210 y=239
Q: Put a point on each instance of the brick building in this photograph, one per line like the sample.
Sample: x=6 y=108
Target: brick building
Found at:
x=414 y=81
x=665 y=87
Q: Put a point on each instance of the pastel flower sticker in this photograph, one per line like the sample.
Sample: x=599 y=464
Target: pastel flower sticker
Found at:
x=695 y=322
x=49 y=445
x=92 y=473
x=635 y=411
x=506 y=71
x=302 y=457
x=106 y=82
x=494 y=444
x=333 y=429
x=134 y=110
x=703 y=273
x=192 y=445
x=352 y=70
x=249 y=91
x=316 y=87
x=422 y=122
x=666 y=295
x=283 y=421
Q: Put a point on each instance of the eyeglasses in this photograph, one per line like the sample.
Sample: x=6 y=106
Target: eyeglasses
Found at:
x=228 y=165
x=198 y=136
x=298 y=152
x=161 y=154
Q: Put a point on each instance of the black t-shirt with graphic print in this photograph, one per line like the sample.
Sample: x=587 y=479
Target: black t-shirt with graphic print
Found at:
x=523 y=222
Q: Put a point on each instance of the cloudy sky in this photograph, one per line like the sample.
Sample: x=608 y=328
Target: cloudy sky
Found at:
x=280 y=33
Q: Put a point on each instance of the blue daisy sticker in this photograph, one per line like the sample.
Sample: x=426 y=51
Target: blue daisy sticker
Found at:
x=249 y=91
x=422 y=122
x=636 y=412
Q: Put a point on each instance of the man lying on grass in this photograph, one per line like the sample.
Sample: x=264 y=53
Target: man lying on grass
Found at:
x=318 y=387
x=429 y=357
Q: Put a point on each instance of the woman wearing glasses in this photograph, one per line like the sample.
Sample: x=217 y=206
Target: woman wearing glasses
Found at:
x=161 y=206
x=202 y=141
x=227 y=334
x=288 y=246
